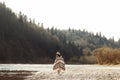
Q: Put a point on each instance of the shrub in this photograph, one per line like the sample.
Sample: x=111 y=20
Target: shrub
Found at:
x=107 y=55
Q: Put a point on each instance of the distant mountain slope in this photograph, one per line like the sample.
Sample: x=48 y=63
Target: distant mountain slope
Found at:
x=24 y=41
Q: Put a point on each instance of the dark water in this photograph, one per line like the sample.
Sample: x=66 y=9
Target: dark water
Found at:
x=15 y=75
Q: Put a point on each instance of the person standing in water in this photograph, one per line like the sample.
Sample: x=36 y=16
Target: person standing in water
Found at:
x=59 y=63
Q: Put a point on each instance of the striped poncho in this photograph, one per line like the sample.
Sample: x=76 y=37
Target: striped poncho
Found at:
x=59 y=63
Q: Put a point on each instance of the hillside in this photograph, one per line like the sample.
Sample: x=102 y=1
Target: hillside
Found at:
x=24 y=41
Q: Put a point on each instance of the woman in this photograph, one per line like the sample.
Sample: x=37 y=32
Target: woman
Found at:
x=59 y=63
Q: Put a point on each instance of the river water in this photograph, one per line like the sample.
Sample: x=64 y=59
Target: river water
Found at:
x=46 y=67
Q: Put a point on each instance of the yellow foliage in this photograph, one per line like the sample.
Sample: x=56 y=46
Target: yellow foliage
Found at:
x=107 y=55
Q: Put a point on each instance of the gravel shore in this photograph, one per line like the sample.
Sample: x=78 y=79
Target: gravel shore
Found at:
x=80 y=72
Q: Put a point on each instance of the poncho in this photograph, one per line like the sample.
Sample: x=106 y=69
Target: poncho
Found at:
x=59 y=63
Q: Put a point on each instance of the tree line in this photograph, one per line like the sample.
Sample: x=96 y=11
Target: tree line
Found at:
x=22 y=40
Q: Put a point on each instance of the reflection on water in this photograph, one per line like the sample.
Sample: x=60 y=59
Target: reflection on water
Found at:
x=20 y=71
x=15 y=75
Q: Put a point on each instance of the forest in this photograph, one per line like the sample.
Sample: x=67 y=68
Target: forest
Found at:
x=22 y=40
